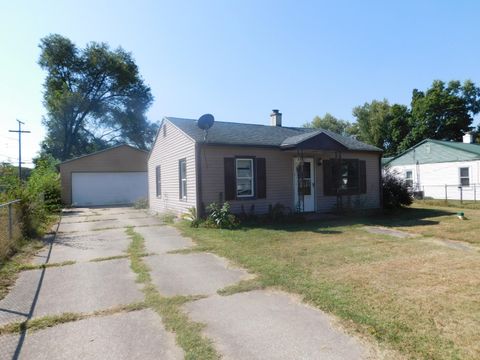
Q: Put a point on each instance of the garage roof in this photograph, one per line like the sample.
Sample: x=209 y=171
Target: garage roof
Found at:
x=102 y=151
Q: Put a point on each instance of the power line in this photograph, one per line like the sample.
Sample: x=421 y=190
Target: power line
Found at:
x=20 y=132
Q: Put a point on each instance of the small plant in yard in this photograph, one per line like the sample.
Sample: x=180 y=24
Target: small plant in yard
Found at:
x=192 y=216
x=396 y=193
x=168 y=217
x=141 y=204
x=220 y=217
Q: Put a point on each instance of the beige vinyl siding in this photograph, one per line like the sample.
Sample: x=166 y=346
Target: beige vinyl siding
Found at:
x=122 y=158
x=166 y=152
x=279 y=172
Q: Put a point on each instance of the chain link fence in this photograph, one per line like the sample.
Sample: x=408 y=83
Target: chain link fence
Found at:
x=10 y=227
x=446 y=192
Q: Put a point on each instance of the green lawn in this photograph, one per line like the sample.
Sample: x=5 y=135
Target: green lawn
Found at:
x=413 y=295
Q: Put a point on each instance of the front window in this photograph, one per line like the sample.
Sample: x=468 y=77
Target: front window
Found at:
x=182 y=164
x=244 y=174
x=409 y=178
x=464 y=176
x=349 y=175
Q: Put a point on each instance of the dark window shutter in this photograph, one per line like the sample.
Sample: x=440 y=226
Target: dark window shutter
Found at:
x=261 y=178
x=230 y=179
x=362 y=176
x=329 y=177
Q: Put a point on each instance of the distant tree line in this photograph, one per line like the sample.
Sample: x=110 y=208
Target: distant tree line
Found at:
x=445 y=111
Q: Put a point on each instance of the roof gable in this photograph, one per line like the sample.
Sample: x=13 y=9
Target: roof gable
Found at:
x=431 y=151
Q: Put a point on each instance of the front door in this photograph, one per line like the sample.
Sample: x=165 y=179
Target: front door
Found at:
x=304 y=184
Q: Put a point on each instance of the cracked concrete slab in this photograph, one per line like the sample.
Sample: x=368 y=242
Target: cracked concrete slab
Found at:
x=261 y=324
x=192 y=274
x=85 y=246
x=101 y=225
x=162 y=239
x=84 y=287
x=122 y=336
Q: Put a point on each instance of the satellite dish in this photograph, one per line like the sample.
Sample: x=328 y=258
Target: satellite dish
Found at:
x=205 y=122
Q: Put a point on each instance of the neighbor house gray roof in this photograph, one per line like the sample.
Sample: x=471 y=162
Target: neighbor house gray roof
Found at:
x=230 y=133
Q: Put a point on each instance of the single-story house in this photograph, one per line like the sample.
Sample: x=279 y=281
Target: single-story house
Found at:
x=255 y=167
x=113 y=176
x=440 y=169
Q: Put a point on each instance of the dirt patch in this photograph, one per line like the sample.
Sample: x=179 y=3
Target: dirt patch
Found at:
x=386 y=231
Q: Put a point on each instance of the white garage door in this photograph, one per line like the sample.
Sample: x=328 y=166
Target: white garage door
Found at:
x=108 y=188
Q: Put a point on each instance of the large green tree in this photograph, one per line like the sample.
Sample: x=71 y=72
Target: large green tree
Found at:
x=95 y=98
x=331 y=123
x=444 y=111
x=382 y=125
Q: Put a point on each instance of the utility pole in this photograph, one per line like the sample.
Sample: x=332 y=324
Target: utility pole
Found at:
x=19 y=131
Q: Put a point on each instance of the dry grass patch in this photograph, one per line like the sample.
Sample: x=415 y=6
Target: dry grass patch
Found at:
x=447 y=226
x=412 y=295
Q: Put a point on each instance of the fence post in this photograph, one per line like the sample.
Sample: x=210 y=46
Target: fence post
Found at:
x=461 y=194
x=446 y=196
x=10 y=222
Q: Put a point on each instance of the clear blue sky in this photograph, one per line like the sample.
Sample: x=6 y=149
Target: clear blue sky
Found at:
x=240 y=59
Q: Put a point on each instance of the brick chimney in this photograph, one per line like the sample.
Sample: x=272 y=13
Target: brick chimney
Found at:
x=276 y=118
x=468 y=138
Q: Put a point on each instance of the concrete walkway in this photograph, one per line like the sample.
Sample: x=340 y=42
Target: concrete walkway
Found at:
x=86 y=287
x=254 y=325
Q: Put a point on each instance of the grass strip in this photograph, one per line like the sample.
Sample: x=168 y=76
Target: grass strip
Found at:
x=54 y=320
x=188 y=333
x=23 y=267
x=242 y=286
x=114 y=257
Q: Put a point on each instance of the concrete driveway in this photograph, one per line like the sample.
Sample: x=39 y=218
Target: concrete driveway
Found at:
x=254 y=325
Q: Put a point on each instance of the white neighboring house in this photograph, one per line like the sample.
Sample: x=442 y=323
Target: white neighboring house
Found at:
x=441 y=169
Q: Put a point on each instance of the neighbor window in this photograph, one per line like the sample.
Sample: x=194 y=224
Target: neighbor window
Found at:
x=244 y=174
x=158 y=181
x=349 y=176
x=464 y=176
x=182 y=165
x=409 y=178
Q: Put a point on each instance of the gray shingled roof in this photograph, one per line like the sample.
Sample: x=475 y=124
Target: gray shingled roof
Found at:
x=230 y=133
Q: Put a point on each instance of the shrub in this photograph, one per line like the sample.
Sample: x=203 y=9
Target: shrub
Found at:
x=221 y=217
x=396 y=193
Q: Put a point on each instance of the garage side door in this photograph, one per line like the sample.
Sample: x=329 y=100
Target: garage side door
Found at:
x=108 y=188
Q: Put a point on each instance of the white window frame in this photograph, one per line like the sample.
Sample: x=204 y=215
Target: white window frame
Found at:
x=183 y=180
x=408 y=179
x=251 y=178
x=460 y=177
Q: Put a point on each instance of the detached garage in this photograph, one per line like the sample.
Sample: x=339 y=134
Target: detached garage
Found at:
x=114 y=176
